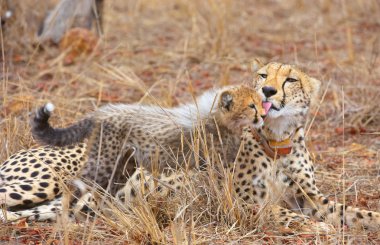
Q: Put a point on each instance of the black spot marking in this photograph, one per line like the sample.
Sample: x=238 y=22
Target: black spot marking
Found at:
x=41 y=195
x=44 y=184
x=15 y=196
x=27 y=202
x=26 y=187
x=46 y=176
x=34 y=174
x=133 y=193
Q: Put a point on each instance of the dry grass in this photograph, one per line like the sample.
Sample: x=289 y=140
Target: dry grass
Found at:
x=167 y=51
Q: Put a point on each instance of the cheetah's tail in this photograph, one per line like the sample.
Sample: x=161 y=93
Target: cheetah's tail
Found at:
x=43 y=132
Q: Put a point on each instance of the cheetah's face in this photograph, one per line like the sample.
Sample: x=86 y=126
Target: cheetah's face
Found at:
x=285 y=90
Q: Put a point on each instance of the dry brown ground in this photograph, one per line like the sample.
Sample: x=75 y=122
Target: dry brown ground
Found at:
x=175 y=48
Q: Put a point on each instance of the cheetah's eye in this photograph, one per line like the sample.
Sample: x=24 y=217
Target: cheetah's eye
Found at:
x=252 y=106
x=291 y=80
x=263 y=75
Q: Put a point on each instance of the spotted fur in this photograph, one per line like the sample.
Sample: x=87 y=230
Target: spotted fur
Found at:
x=286 y=181
x=31 y=177
x=236 y=107
x=139 y=132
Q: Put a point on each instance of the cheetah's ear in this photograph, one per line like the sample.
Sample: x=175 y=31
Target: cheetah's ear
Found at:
x=315 y=85
x=255 y=65
x=226 y=100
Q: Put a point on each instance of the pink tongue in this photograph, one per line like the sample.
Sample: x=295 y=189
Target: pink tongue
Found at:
x=267 y=106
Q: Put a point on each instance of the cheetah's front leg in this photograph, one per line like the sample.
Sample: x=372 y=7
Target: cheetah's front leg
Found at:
x=308 y=198
x=338 y=214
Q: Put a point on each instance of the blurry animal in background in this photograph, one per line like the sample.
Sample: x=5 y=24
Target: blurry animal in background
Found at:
x=76 y=43
x=69 y=14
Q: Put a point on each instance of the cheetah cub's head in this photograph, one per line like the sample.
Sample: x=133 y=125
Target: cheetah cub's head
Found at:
x=240 y=106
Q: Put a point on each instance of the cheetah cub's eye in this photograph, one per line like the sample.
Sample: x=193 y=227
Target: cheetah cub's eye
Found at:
x=252 y=106
x=291 y=80
x=263 y=75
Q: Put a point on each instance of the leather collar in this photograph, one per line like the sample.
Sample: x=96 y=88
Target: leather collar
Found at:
x=272 y=148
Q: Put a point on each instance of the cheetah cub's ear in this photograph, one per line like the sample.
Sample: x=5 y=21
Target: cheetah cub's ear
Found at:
x=226 y=100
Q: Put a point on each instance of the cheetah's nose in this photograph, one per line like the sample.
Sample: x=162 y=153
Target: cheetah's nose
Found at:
x=269 y=91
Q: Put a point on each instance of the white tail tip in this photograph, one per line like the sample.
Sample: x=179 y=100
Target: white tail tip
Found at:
x=8 y=14
x=49 y=107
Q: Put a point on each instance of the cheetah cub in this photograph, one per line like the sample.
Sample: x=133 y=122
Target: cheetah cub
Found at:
x=153 y=134
x=222 y=112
